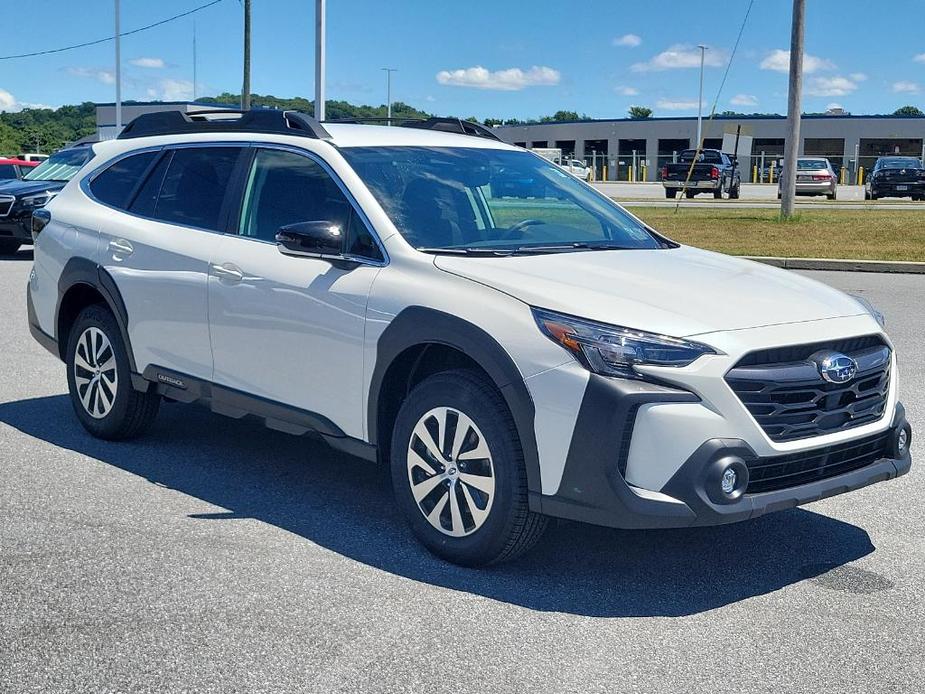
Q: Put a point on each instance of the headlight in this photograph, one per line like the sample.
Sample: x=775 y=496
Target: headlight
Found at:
x=39 y=200
x=869 y=307
x=611 y=350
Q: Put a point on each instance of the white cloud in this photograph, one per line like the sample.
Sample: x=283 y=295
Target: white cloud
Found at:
x=858 y=76
x=676 y=104
x=512 y=79
x=99 y=74
x=833 y=106
x=779 y=61
x=681 y=56
x=920 y=58
x=628 y=40
x=11 y=104
x=831 y=86
x=627 y=91
x=151 y=63
x=906 y=87
x=744 y=100
x=171 y=90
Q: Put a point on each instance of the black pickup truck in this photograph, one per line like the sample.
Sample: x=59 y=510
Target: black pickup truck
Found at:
x=714 y=172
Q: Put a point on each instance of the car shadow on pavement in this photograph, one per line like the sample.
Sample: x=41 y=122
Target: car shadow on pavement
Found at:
x=345 y=505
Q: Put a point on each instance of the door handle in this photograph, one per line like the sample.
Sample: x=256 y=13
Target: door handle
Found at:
x=121 y=246
x=228 y=272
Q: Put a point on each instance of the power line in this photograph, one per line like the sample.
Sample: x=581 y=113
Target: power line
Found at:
x=112 y=38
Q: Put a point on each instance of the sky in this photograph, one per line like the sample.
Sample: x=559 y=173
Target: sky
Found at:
x=503 y=58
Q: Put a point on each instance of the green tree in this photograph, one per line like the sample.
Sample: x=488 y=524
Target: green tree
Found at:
x=908 y=111
x=639 y=112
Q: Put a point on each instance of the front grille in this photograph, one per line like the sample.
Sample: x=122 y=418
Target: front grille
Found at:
x=6 y=203
x=784 y=392
x=792 y=469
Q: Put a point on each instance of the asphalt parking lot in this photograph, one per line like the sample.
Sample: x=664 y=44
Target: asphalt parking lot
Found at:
x=214 y=555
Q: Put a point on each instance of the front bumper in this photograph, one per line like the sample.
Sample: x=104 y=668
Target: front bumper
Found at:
x=594 y=489
x=17 y=226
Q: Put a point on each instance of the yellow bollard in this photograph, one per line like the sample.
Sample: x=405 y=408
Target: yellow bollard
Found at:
x=604 y=173
x=860 y=175
x=841 y=178
x=755 y=174
x=771 y=175
x=645 y=173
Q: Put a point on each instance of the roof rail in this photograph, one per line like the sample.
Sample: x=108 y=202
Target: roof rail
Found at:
x=447 y=125
x=253 y=121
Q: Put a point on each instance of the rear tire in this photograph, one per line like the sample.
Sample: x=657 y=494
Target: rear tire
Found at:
x=735 y=192
x=670 y=194
x=832 y=196
x=689 y=194
x=8 y=247
x=468 y=506
x=99 y=379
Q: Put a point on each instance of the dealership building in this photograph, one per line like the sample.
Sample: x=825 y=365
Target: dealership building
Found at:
x=636 y=149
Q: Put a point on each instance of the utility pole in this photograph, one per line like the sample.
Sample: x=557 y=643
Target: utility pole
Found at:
x=194 y=61
x=118 y=71
x=246 y=87
x=794 y=107
x=388 y=82
x=700 y=100
x=319 y=59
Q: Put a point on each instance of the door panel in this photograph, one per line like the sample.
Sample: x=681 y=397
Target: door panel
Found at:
x=160 y=263
x=291 y=329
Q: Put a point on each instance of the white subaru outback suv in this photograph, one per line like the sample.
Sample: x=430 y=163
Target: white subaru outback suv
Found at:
x=511 y=342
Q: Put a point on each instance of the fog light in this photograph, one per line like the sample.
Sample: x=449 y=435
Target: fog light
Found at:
x=902 y=441
x=728 y=482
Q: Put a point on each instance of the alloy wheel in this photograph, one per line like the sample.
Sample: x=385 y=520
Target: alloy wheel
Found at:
x=451 y=472
x=95 y=374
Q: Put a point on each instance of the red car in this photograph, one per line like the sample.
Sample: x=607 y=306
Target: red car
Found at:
x=15 y=168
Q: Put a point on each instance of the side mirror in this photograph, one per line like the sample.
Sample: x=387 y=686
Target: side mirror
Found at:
x=317 y=239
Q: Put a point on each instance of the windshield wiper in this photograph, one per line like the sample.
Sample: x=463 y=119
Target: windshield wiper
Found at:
x=466 y=251
x=572 y=246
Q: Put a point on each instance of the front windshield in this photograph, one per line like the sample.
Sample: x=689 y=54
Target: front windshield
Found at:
x=469 y=200
x=60 y=166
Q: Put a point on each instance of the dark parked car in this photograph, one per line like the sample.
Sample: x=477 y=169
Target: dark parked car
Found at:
x=713 y=172
x=896 y=177
x=19 y=198
x=15 y=168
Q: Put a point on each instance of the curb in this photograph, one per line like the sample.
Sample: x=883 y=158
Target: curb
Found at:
x=843 y=265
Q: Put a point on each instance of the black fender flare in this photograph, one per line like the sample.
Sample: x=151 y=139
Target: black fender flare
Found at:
x=417 y=325
x=80 y=271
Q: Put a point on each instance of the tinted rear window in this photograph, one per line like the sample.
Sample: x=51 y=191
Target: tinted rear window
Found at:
x=194 y=188
x=8 y=171
x=116 y=183
x=899 y=163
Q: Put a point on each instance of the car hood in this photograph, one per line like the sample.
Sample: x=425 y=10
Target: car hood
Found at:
x=21 y=187
x=681 y=291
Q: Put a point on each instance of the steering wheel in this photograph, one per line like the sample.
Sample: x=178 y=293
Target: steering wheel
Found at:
x=519 y=228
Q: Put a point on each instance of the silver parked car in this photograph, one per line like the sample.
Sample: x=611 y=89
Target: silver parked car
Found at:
x=815 y=176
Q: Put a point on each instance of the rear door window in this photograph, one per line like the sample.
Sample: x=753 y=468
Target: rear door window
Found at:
x=8 y=171
x=194 y=187
x=115 y=185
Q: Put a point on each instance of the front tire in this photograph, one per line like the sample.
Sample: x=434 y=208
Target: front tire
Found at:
x=458 y=471
x=100 y=382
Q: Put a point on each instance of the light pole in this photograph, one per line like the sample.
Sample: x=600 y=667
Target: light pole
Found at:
x=246 y=86
x=319 y=59
x=388 y=83
x=700 y=98
x=118 y=72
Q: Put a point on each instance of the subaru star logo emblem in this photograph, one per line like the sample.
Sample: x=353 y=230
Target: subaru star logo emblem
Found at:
x=835 y=367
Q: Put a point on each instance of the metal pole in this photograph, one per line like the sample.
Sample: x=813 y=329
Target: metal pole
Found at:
x=700 y=99
x=246 y=87
x=194 y=61
x=118 y=71
x=794 y=100
x=388 y=82
x=319 y=58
